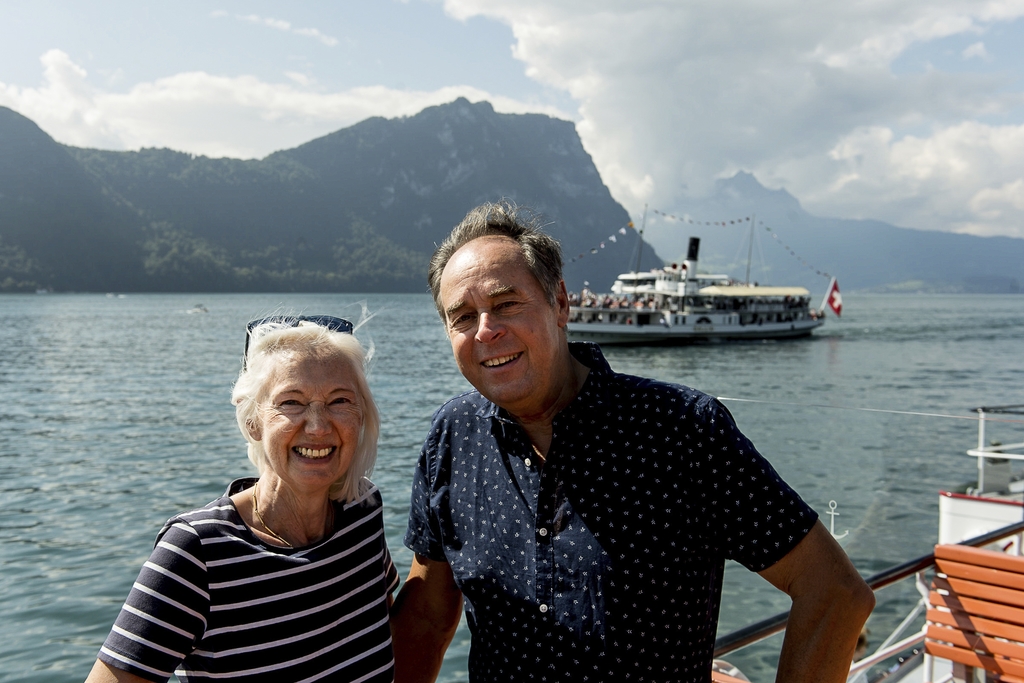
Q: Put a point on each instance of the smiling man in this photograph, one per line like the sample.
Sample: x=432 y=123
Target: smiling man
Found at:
x=583 y=517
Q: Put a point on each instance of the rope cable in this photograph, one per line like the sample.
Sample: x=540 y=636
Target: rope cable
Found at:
x=869 y=410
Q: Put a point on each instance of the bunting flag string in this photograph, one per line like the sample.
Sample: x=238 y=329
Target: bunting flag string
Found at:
x=622 y=231
x=692 y=221
x=611 y=238
x=793 y=253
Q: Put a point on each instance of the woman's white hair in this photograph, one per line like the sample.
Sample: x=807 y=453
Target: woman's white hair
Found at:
x=267 y=345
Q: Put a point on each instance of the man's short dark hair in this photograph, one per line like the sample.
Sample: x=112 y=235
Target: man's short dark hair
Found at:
x=541 y=252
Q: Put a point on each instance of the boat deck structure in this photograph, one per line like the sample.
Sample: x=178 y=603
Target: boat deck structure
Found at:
x=676 y=305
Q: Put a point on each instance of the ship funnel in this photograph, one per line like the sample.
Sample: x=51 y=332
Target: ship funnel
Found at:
x=690 y=287
x=691 y=254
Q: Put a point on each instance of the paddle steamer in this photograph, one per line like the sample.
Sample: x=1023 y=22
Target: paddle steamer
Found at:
x=676 y=304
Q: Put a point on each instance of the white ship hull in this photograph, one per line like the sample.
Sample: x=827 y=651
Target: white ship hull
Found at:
x=695 y=329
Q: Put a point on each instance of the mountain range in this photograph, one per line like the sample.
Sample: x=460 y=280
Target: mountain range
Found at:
x=361 y=210
x=791 y=246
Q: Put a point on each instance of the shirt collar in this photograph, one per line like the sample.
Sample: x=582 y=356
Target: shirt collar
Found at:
x=590 y=355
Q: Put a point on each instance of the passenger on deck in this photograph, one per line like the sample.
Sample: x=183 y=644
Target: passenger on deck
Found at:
x=583 y=517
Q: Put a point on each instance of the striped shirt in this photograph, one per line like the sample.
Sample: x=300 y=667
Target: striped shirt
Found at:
x=213 y=602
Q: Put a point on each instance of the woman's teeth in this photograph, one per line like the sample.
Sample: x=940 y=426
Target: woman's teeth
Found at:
x=314 y=453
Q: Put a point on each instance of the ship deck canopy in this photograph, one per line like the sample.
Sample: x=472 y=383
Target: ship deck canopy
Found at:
x=745 y=291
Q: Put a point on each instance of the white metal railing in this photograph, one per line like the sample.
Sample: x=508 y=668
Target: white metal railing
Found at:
x=885 y=653
x=988 y=454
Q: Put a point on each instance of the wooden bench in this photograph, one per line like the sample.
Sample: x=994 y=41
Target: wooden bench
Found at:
x=976 y=614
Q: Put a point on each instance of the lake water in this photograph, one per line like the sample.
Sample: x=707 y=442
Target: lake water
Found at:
x=116 y=415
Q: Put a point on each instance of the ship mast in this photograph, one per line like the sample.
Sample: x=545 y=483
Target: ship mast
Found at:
x=750 y=247
x=640 y=244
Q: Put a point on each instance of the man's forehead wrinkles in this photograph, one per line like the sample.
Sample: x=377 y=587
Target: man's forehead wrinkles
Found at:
x=493 y=292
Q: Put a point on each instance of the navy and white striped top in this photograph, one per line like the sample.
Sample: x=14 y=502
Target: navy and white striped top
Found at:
x=214 y=602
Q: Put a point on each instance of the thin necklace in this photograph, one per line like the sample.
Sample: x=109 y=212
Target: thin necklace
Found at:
x=256 y=509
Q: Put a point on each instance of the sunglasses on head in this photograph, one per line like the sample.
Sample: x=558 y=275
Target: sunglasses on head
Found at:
x=327 y=321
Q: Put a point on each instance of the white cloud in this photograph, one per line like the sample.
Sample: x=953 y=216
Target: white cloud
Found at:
x=300 y=78
x=886 y=40
x=675 y=94
x=217 y=116
x=314 y=33
x=961 y=178
x=66 y=102
x=976 y=50
x=281 y=25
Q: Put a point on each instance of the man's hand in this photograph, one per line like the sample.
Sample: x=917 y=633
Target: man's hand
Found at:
x=423 y=620
x=830 y=605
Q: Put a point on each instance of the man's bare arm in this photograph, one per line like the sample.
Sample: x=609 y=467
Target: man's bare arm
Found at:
x=423 y=620
x=830 y=605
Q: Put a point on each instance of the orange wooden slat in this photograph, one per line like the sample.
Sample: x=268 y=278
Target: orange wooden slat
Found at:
x=971 y=658
x=970 y=605
x=983 y=558
x=973 y=572
x=1004 y=678
x=983 y=591
x=989 y=627
x=985 y=625
x=970 y=641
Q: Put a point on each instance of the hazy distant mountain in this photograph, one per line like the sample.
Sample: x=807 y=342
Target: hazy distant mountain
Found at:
x=357 y=210
x=362 y=208
x=863 y=254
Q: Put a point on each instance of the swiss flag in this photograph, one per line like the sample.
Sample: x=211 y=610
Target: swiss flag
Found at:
x=834 y=299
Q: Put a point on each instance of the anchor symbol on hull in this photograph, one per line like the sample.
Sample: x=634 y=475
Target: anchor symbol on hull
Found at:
x=832 y=521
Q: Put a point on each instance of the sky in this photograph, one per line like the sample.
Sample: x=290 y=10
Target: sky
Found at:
x=910 y=112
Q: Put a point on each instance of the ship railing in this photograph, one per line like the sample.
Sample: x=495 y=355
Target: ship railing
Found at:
x=994 y=455
x=748 y=635
x=616 y=309
x=997 y=450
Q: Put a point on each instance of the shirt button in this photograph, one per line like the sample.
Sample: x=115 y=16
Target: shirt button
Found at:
x=542 y=531
x=527 y=462
x=544 y=609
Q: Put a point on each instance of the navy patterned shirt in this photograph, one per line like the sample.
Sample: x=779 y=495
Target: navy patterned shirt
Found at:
x=605 y=563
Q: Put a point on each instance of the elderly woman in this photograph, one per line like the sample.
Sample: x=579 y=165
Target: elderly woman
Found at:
x=286 y=577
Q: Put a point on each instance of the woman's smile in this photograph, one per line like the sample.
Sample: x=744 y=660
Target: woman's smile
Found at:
x=313 y=453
